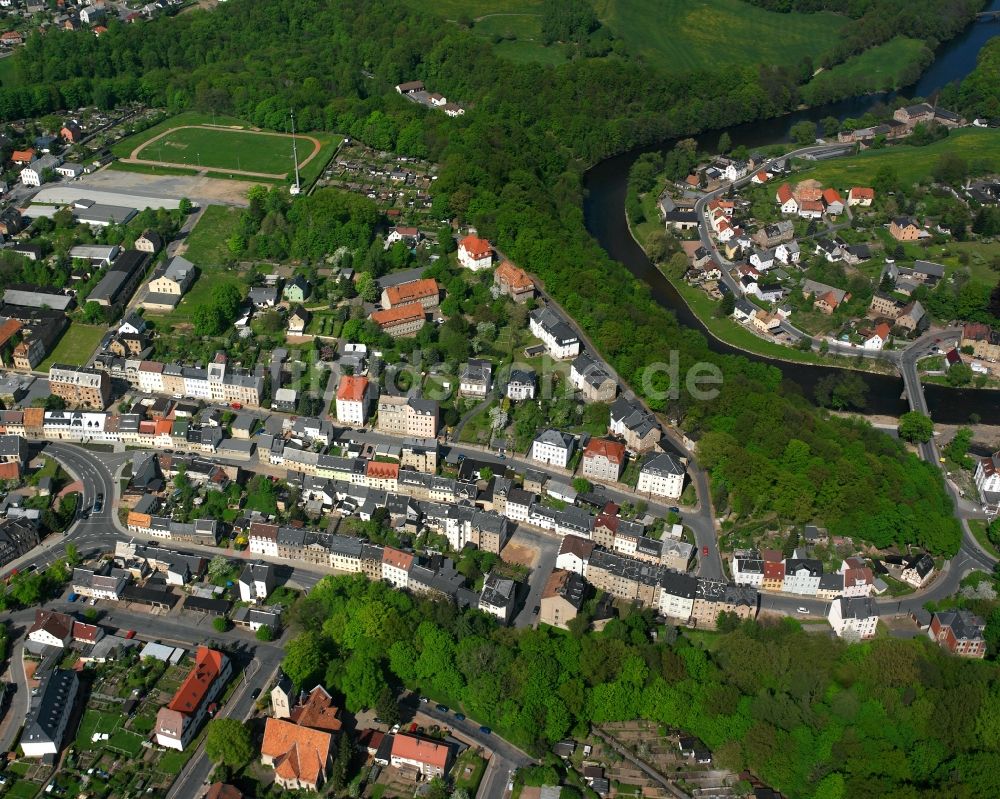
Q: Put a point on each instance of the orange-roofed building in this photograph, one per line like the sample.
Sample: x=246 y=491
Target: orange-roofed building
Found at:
x=8 y=341
x=299 y=755
x=430 y=758
x=475 y=253
x=833 y=202
x=223 y=790
x=774 y=575
x=22 y=157
x=603 y=459
x=34 y=418
x=786 y=199
x=759 y=177
x=423 y=291
x=382 y=475
x=354 y=399
x=10 y=471
x=318 y=712
x=396 y=566
x=403 y=320
x=807 y=191
x=179 y=720
x=514 y=282
x=811 y=209
x=860 y=195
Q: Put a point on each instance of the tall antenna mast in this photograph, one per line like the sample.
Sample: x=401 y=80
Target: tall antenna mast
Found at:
x=295 y=157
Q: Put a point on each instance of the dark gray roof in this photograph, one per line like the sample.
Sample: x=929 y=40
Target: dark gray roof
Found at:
x=55 y=701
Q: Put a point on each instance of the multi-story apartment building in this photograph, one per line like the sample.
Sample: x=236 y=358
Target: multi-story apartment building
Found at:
x=662 y=475
x=408 y=416
x=603 y=459
x=354 y=400
x=80 y=387
x=179 y=720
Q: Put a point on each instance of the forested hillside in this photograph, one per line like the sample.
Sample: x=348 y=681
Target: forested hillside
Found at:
x=888 y=719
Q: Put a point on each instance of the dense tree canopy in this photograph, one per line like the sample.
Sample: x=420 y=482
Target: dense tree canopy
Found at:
x=808 y=714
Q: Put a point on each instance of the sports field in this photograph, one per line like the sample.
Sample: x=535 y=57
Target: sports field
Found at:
x=224 y=146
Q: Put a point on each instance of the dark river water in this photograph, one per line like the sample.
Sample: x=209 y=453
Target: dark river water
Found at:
x=604 y=213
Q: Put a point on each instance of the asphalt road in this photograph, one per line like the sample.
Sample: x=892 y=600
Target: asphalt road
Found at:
x=506 y=758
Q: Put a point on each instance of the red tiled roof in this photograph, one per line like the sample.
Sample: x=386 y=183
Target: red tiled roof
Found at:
x=411 y=292
x=883 y=330
x=397 y=558
x=774 y=571
x=614 y=451
x=352 y=388
x=22 y=155
x=784 y=193
x=382 y=470
x=514 y=276
x=8 y=330
x=10 y=471
x=863 y=193
x=810 y=205
x=299 y=753
x=476 y=247
x=830 y=196
x=410 y=747
x=401 y=313
x=206 y=670
x=318 y=712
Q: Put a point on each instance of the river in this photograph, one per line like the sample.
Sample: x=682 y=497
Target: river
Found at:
x=604 y=214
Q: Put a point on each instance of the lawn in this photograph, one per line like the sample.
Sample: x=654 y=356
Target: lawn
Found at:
x=149 y=169
x=476 y=766
x=208 y=251
x=95 y=721
x=884 y=67
x=678 y=36
x=76 y=345
x=979 y=146
x=23 y=790
x=978 y=528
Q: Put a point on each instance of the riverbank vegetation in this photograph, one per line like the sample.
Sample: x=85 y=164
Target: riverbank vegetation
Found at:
x=815 y=716
x=978 y=94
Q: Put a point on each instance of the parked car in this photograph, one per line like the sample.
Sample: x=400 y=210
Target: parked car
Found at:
x=130 y=634
x=485 y=730
x=442 y=708
x=72 y=597
x=459 y=717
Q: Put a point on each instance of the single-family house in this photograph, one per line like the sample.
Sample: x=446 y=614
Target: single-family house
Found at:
x=475 y=253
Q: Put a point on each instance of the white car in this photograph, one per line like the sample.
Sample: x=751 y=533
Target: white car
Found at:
x=803 y=610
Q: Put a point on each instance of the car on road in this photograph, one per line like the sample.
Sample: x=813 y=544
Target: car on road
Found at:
x=441 y=708
x=459 y=717
x=535 y=610
x=485 y=730
x=674 y=509
x=99 y=503
x=93 y=601
x=236 y=406
x=130 y=634
x=804 y=610
x=704 y=551
x=424 y=700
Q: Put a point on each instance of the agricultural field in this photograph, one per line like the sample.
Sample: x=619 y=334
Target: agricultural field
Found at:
x=224 y=145
x=677 y=36
x=980 y=147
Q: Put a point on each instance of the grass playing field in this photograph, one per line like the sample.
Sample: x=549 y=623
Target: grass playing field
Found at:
x=226 y=149
x=228 y=144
